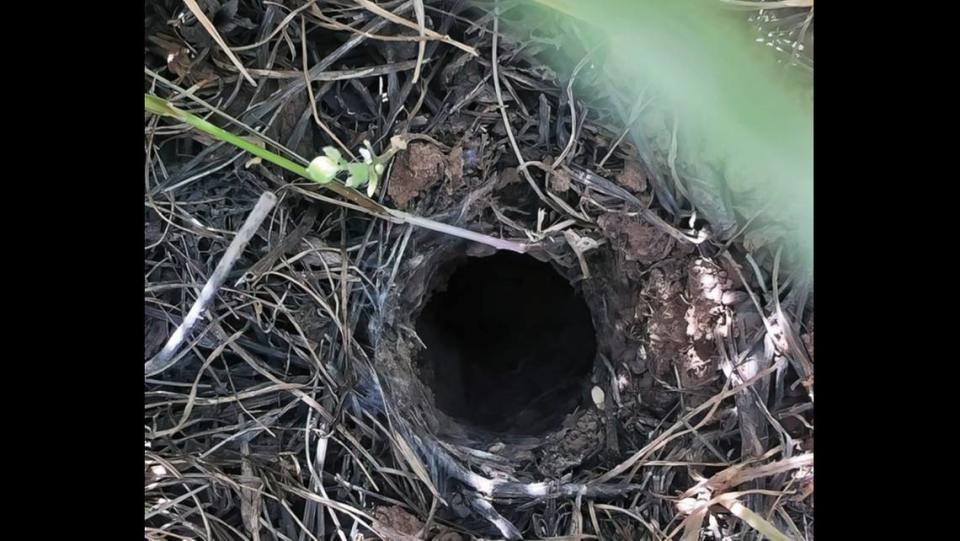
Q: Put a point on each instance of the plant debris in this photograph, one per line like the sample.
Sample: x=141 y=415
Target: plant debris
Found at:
x=296 y=407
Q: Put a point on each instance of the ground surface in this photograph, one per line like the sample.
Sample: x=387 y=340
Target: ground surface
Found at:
x=296 y=410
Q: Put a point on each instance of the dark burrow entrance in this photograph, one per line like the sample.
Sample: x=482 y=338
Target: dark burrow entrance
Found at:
x=509 y=344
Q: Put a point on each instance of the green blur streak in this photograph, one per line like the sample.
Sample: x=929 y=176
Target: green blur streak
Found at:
x=727 y=88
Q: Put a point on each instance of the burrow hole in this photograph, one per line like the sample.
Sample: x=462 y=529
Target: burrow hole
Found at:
x=509 y=344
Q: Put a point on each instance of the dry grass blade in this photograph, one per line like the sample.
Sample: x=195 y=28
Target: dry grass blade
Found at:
x=165 y=358
x=168 y=504
x=693 y=523
x=422 y=44
x=280 y=27
x=712 y=404
x=738 y=474
x=299 y=407
x=576 y=519
x=503 y=109
x=415 y=464
x=212 y=30
x=192 y=397
x=755 y=521
x=374 y=8
x=358 y=515
x=696 y=509
x=486 y=510
x=654 y=532
x=250 y=495
x=313 y=99
x=593 y=518
x=339 y=75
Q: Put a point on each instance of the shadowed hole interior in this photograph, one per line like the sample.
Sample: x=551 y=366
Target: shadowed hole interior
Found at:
x=509 y=344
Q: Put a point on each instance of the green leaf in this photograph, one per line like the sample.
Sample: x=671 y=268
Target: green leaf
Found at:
x=359 y=173
x=322 y=169
x=333 y=154
x=156 y=105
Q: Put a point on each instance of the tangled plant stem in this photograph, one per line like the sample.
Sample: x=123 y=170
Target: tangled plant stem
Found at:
x=322 y=174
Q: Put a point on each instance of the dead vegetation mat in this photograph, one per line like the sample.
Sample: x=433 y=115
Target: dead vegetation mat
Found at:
x=294 y=410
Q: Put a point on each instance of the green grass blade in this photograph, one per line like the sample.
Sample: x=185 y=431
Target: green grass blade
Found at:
x=162 y=107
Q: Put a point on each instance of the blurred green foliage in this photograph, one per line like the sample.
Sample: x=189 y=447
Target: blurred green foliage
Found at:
x=744 y=121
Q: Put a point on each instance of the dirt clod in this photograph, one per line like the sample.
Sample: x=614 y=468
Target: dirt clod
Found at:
x=688 y=314
x=571 y=445
x=706 y=288
x=665 y=328
x=632 y=177
x=397 y=523
x=639 y=241
x=416 y=169
x=560 y=181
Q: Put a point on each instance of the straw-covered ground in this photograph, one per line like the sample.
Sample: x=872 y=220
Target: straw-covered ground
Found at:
x=350 y=373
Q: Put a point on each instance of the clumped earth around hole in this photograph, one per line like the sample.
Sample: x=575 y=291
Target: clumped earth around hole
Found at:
x=305 y=406
x=508 y=344
x=416 y=170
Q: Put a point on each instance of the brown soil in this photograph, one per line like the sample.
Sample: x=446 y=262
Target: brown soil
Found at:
x=418 y=168
x=396 y=524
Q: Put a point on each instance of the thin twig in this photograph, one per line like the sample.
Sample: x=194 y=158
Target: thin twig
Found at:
x=165 y=359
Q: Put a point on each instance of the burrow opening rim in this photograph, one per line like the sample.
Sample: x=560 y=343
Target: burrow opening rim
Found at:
x=510 y=343
x=396 y=346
